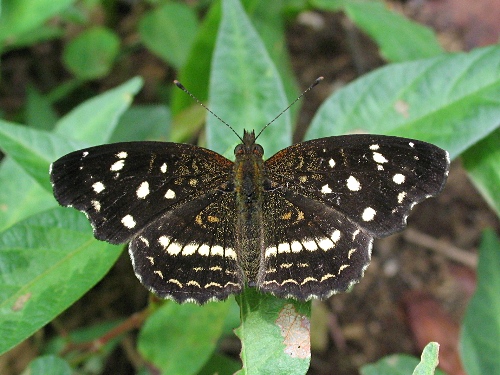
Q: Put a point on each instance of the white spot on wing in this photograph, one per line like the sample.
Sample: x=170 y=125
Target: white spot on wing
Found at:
x=189 y=249
x=283 y=248
x=398 y=178
x=174 y=248
x=122 y=155
x=325 y=189
x=143 y=190
x=379 y=158
x=230 y=253
x=411 y=144
x=118 y=165
x=128 y=221
x=331 y=163
x=85 y=153
x=217 y=250
x=326 y=244
x=98 y=187
x=296 y=246
x=353 y=184
x=401 y=196
x=271 y=251
x=204 y=250
x=368 y=214
x=170 y=194
x=96 y=205
x=335 y=236
x=163 y=168
x=310 y=245
x=164 y=241
x=374 y=147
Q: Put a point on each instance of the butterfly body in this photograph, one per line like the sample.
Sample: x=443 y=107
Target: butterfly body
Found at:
x=300 y=224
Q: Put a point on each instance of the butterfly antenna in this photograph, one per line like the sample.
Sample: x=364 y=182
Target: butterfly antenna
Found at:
x=318 y=80
x=181 y=86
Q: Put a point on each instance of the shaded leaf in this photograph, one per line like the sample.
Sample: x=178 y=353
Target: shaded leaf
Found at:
x=481 y=326
x=198 y=328
x=47 y=262
x=169 y=31
x=92 y=53
x=452 y=101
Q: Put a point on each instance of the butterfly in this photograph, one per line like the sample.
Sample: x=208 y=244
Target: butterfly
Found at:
x=299 y=224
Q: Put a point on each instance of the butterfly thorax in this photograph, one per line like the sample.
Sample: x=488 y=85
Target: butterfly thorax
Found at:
x=248 y=182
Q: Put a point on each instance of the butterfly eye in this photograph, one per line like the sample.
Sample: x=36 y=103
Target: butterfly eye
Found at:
x=258 y=150
x=240 y=149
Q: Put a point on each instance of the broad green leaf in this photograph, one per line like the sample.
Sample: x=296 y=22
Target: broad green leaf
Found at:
x=49 y=364
x=92 y=54
x=179 y=339
x=245 y=88
x=169 y=31
x=21 y=196
x=274 y=334
x=429 y=360
x=267 y=19
x=95 y=120
x=482 y=162
x=34 y=150
x=403 y=364
x=47 y=262
x=39 y=112
x=451 y=100
x=139 y=123
x=20 y=16
x=399 y=39
x=195 y=72
x=29 y=38
x=480 y=336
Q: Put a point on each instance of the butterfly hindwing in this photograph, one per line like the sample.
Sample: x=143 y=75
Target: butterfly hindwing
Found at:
x=311 y=249
x=373 y=180
x=188 y=254
x=123 y=187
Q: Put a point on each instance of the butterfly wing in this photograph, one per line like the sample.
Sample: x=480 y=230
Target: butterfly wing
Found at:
x=163 y=197
x=346 y=190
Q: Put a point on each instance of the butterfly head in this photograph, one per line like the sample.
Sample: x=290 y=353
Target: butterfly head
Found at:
x=248 y=146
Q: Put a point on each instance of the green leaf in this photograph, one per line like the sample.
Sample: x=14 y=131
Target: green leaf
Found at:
x=92 y=53
x=480 y=336
x=169 y=31
x=47 y=262
x=245 y=88
x=267 y=19
x=429 y=360
x=39 y=111
x=49 y=364
x=220 y=365
x=482 y=162
x=274 y=334
x=331 y=5
x=399 y=39
x=42 y=34
x=452 y=101
x=20 y=197
x=139 y=123
x=34 y=150
x=95 y=120
x=403 y=364
x=198 y=328
x=20 y=16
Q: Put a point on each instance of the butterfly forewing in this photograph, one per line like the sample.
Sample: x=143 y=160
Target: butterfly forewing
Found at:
x=123 y=187
x=373 y=180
